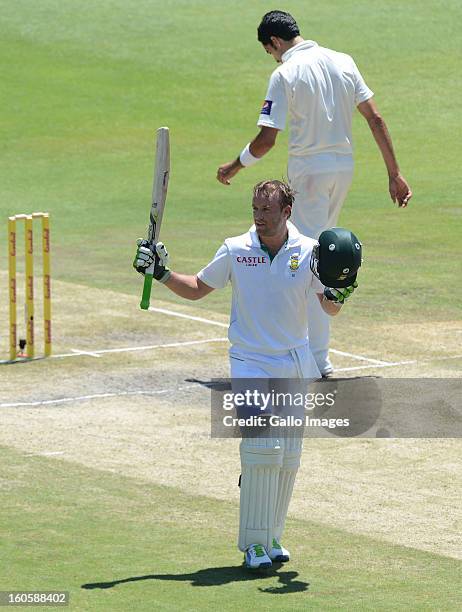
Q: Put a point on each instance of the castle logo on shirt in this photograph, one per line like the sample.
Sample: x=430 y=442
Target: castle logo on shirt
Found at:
x=266 y=108
x=251 y=261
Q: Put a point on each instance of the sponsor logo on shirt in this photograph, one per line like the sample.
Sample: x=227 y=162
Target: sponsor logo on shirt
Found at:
x=251 y=261
x=266 y=108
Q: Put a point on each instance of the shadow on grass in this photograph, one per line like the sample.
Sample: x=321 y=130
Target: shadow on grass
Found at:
x=216 y=384
x=216 y=576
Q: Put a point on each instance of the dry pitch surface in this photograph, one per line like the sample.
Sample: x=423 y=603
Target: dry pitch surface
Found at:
x=141 y=412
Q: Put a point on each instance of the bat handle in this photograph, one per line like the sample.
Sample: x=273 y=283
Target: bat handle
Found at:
x=144 y=304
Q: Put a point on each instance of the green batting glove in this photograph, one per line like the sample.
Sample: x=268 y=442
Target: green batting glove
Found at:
x=339 y=296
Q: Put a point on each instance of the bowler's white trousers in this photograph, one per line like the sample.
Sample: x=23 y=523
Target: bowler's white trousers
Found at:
x=321 y=183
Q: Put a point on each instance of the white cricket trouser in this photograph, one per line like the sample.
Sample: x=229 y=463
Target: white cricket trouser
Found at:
x=321 y=186
x=296 y=363
x=268 y=465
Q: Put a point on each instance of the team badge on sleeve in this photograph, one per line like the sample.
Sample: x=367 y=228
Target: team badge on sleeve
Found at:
x=266 y=108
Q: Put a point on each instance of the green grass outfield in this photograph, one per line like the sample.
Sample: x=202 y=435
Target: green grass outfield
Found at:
x=120 y=544
x=85 y=85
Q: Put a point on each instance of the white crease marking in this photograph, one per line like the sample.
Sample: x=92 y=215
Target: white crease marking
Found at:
x=81 y=398
x=130 y=349
x=190 y=317
x=89 y=353
x=359 y=357
x=45 y=454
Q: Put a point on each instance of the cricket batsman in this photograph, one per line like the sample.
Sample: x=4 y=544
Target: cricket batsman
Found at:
x=271 y=269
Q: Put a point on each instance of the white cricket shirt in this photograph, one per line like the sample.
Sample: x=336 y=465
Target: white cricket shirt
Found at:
x=269 y=304
x=319 y=89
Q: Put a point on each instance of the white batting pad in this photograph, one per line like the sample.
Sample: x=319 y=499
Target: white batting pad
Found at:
x=287 y=474
x=261 y=461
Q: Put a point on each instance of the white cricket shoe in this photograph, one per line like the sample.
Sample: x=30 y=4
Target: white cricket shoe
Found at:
x=278 y=553
x=256 y=557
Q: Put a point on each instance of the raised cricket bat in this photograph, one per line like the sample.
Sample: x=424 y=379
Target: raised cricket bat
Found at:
x=159 y=195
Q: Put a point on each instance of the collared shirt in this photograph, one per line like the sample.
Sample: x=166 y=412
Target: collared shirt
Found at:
x=265 y=248
x=269 y=303
x=319 y=89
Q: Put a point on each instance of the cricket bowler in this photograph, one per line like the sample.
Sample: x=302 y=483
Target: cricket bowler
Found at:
x=316 y=91
x=272 y=269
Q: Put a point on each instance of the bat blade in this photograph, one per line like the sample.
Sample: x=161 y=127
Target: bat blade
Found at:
x=159 y=196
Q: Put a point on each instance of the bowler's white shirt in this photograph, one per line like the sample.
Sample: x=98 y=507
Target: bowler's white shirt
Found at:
x=319 y=89
x=269 y=304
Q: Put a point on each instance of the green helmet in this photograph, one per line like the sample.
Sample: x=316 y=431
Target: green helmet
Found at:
x=336 y=258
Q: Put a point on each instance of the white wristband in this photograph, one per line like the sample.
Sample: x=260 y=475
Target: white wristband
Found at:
x=246 y=158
